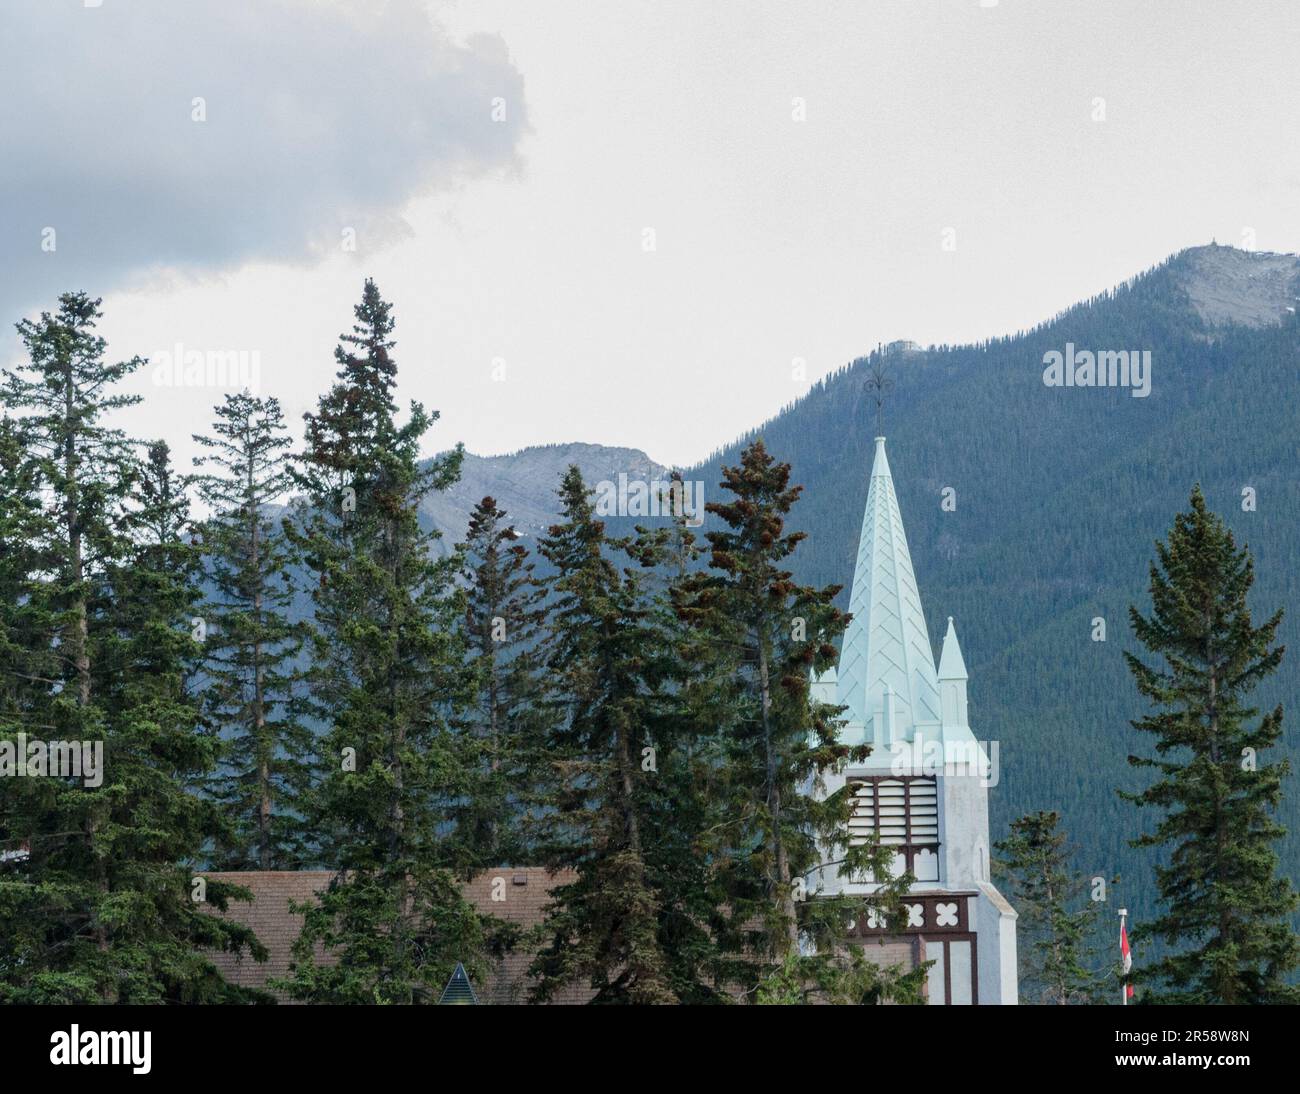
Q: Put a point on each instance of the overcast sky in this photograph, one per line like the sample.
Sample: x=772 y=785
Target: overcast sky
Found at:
x=802 y=169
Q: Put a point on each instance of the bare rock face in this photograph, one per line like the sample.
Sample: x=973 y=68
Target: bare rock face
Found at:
x=1250 y=288
x=524 y=484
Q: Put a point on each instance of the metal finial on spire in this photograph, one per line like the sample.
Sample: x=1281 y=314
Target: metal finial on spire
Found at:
x=882 y=385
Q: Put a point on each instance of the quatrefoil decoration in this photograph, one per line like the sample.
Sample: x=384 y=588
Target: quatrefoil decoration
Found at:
x=916 y=915
x=945 y=915
x=876 y=919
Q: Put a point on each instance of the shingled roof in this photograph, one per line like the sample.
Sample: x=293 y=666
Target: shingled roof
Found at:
x=523 y=895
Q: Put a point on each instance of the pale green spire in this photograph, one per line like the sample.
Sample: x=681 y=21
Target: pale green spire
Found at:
x=886 y=643
x=951 y=664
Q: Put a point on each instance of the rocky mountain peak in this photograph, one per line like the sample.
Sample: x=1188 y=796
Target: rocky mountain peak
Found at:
x=1227 y=285
x=524 y=483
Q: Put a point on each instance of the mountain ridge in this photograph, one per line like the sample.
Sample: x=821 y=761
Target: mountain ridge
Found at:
x=524 y=484
x=1060 y=493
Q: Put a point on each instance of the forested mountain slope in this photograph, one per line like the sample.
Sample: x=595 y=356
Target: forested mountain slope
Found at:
x=1059 y=494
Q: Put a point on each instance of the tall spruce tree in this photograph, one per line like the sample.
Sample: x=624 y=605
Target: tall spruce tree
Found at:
x=760 y=637
x=147 y=649
x=675 y=778
x=1057 y=920
x=682 y=819
x=503 y=615
x=28 y=663
x=145 y=677
x=253 y=694
x=602 y=928
x=1226 y=917
x=100 y=907
x=388 y=681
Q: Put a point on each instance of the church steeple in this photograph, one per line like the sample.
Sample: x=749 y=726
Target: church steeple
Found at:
x=886 y=646
x=923 y=789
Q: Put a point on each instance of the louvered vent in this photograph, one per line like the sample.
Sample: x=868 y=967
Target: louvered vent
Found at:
x=905 y=813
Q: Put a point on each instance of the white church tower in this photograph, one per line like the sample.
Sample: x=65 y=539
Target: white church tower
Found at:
x=924 y=788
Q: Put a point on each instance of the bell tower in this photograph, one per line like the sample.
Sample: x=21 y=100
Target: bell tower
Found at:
x=923 y=791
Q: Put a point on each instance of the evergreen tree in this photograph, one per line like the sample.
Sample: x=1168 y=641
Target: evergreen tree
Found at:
x=147 y=653
x=28 y=663
x=502 y=619
x=100 y=908
x=86 y=466
x=252 y=694
x=602 y=929
x=1226 y=912
x=683 y=817
x=388 y=681
x=1058 y=961
x=767 y=635
x=145 y=676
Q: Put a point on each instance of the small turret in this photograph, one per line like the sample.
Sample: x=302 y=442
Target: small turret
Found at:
x=952 y=682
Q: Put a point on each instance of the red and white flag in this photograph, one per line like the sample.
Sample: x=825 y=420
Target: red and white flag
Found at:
x=1127 y=956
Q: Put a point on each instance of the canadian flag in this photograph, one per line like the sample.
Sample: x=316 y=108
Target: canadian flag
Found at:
x=1127 y=955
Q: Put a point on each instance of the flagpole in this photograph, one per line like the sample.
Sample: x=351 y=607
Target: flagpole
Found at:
x=1123 y=987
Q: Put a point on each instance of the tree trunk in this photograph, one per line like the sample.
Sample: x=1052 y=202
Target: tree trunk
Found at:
x=259 y=698
x=80 y=632
x=1226 y=981
x=397 y=739
x=780 y=861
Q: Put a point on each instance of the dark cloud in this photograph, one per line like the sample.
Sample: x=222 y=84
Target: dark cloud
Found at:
x=319 y=117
